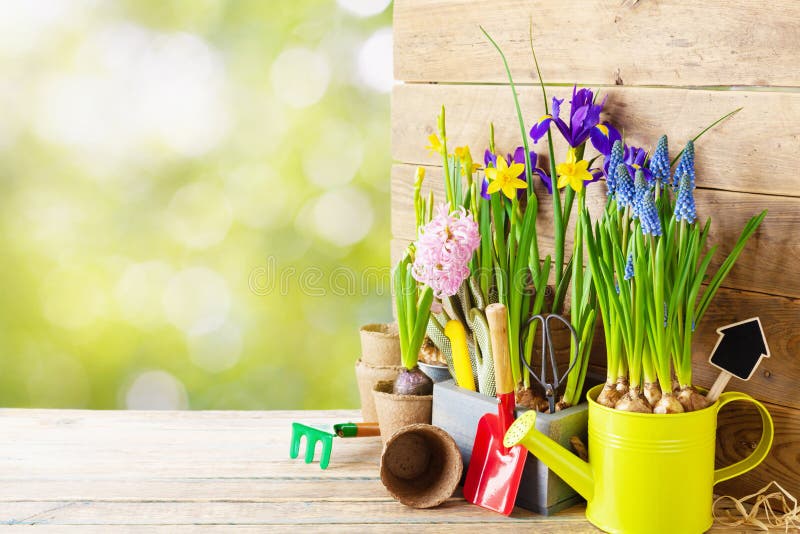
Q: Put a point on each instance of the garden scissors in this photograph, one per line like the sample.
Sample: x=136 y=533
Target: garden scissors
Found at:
x=556 y=379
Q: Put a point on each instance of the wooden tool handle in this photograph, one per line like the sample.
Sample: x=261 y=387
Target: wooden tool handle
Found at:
x=498 y=332
x=356 y=430
x=367 y=429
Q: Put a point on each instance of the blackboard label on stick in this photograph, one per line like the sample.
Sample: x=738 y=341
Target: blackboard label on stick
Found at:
x=740 y=348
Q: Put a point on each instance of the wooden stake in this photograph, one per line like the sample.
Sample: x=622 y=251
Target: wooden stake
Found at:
x=719 y=385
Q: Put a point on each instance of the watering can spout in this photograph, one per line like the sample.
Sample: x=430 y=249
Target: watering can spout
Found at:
x=568 y=466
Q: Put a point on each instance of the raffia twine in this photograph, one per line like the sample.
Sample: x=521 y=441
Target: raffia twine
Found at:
x=788 y=515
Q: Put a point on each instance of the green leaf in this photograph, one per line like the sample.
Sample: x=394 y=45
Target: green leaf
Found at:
x=418 y=335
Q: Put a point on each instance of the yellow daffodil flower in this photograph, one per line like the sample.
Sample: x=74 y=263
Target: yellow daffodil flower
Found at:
x=435 y=145
x=464 y=155
x=573 y=172
x=505 y=178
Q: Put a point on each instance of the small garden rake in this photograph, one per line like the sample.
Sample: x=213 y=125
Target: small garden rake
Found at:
x=314 y=435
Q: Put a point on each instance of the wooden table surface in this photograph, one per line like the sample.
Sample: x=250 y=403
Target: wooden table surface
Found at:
x=101 y=471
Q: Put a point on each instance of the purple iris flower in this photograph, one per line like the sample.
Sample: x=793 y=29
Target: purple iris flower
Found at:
x=584 y=121
x=603 y=137
x=634 y=158
x=490 y=160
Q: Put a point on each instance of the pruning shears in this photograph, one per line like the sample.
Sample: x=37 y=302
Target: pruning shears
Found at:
x=555 y=380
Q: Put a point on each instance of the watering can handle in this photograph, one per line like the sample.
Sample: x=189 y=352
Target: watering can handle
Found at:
x=763 y=447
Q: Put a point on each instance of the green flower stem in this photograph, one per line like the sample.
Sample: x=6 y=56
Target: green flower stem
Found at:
x=558 y=217
x=419 y=204
x=500 y=250
x=582 y=314
x=410 y=292
x=457 y=185
x=749 y=229
x=514 y=292
x=413 y=307
x=421 y=322
x=559 y=229
x=528 y=168
x=602 y=279
x=520 y=255
x=400 y=300
x=707 y=128
x=485 y=228
x=448 y=184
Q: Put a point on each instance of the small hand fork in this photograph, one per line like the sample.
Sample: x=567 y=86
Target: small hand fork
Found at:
x=313 y=435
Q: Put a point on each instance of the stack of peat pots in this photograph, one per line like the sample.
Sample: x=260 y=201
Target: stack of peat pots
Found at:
x=420 y=464
x=380 y=361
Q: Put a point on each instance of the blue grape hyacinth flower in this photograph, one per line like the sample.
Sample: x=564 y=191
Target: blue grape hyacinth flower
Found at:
x=685 y=209
x=659 y=162
x=625 y=188
x=685 y=165
x=629 y=267
x=648 y=215
x=616 y=157
x=640 y=189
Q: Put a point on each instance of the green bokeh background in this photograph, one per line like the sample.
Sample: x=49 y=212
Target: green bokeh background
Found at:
x=135 y=263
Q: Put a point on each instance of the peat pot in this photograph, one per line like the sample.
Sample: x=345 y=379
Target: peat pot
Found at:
x=397 y=411
x=380 y=344
x=647 y=473
x=420 y=466
x=367 y=376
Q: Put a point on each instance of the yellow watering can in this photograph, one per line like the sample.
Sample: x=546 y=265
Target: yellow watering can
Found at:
x=648 y=473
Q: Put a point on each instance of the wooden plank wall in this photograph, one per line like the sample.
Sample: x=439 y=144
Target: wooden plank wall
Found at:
x=667 y=66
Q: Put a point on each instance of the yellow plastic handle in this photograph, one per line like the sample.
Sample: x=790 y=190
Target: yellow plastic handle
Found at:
x=763 y=447
x=462 y=366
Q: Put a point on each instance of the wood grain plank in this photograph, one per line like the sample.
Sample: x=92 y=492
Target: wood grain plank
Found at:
x=738 y=432
x=194 y=489
x=96 y=491
x=542 y=526
x=551 y=526
x=755 y=151
x=293 y=513
x=762 y=267
x=664 y=42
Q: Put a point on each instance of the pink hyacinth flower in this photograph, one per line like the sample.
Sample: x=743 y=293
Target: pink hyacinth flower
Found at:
x=444 y=249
